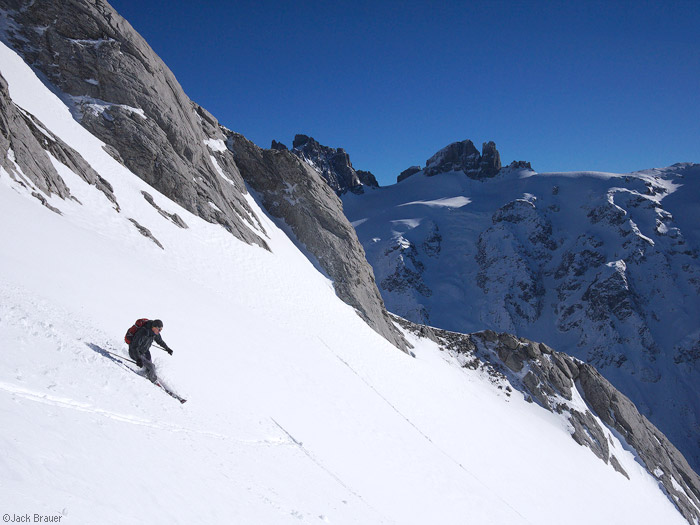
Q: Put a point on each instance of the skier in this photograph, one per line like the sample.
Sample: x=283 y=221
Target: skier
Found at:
x=139 y=348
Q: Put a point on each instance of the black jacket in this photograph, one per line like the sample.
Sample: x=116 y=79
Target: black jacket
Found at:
x=143 y=339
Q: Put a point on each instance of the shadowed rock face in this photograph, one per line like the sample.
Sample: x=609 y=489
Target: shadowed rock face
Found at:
x=291 y=190
x=463 y=156
x=333 y=164
x=552 y=380
x=124 y=94
x=407 y=173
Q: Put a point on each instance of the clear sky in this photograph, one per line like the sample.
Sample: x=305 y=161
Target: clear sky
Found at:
x=570 y=85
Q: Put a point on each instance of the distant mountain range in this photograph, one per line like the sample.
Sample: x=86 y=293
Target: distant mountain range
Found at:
x=603 y=265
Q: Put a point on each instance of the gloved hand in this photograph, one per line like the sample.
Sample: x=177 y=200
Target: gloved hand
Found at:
x=169 y=350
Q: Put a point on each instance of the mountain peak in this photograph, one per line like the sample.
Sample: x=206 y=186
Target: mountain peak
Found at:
x=333 y=164
x=463 y=156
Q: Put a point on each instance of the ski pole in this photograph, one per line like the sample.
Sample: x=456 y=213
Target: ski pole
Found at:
x=119 y=356
x=160 y=348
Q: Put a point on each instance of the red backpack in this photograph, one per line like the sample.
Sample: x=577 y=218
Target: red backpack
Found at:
x=131 y=331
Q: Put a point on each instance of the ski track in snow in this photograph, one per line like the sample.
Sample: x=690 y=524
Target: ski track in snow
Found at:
x=19 y=317
x=423 y=434
x=61 y=402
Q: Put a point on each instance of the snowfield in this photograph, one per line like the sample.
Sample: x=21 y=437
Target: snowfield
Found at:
x=602 y=266
x=297 y=411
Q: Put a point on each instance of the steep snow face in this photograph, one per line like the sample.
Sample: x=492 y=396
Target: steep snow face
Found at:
x=297 y=411
x=603 y=266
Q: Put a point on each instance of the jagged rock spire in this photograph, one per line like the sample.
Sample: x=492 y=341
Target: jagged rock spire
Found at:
x=463 y=156
x=333 y=164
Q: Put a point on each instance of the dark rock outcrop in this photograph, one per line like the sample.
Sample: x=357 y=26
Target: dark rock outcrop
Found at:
x=463 y=156
x=146 y=233
x=490 y=162
x=333 y=164
x=278 y=146
x=367 y=178
x=123 y=93
x=519 y=165
x=407 y=173
x=291 y=190
x=172 y=217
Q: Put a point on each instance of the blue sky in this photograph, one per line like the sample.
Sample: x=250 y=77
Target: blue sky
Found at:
x=608 y=86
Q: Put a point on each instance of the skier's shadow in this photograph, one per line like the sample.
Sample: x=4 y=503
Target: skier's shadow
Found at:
x=103 y=352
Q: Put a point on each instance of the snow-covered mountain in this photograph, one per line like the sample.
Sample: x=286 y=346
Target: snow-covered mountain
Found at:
x=299 y=410
x=601 y=265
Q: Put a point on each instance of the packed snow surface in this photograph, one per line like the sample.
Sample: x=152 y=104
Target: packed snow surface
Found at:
x=297 y=411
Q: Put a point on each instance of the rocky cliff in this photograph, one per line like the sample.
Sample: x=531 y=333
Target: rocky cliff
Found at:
x=28 y=151
x=333 y=164
x=294 y=192
x=123 y=93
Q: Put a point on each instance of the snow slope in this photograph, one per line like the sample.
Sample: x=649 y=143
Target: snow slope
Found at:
x=298 y=412
x=602 y=266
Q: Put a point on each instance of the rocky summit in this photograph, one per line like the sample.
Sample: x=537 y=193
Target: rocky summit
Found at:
x=463 y=157
x=333 y=164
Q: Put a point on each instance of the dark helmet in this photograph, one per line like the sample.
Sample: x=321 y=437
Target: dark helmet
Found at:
x=157 y=323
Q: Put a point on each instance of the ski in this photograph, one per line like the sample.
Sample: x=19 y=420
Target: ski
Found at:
x=170 y=392
x=121 y=360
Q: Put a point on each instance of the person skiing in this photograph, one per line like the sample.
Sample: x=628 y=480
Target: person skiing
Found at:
x=139 y=348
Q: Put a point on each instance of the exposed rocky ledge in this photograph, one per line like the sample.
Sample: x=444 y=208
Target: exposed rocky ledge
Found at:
x=26 y=148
